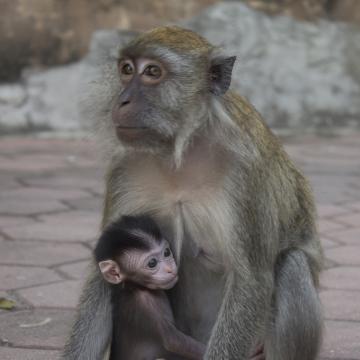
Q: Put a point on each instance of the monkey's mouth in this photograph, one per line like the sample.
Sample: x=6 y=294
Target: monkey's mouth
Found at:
x=130 y=132
x=171 y=283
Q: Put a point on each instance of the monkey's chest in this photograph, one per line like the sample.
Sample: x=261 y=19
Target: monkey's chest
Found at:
x=194 y=216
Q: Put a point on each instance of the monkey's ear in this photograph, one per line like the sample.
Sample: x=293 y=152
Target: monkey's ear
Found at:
x=111 y=272
x=220 y=74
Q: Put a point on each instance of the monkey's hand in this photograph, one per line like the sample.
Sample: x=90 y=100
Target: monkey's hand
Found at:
x=258 y=354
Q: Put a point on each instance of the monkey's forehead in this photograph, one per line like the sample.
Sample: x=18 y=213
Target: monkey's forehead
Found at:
x=172 y=37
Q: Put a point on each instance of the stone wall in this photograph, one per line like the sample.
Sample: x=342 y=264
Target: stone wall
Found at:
x=49 y=32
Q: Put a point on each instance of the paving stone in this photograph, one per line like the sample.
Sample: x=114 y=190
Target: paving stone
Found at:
x=67 y=226
x=342 y=340
x=44 y=328
x=64 y=294
x=7 y=353
x=345 y=255
x=328 y=226
x=33 y=163
x=75 y=179
x=341 y=278
x=350 y=219
x=40 y=253
x=327 y=243
x=39 y=194
x=88 y=204
x=350 y=236
x=341 y=304
x=328 y=211
x=8 y=182
x=77 y=271
x=8 y=220
x=12 y=206
x=33 y=144
x=15 y=277
x=355 y=205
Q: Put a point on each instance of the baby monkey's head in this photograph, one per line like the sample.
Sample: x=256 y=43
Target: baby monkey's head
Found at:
x=132 y=249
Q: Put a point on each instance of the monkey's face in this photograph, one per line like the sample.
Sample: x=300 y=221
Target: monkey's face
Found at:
x=156 y=101
x=167 y=78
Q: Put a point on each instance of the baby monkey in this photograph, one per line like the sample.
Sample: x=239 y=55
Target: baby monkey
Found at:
x=135 y=258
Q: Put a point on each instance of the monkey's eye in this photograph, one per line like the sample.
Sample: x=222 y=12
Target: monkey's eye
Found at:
x=153 y=70
x=126 y=69
x=152 y=263
x=167 y=252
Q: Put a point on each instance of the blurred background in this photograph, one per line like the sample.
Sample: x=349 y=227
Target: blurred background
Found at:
x=298 y=62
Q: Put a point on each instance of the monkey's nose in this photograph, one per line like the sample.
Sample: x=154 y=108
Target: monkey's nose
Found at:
x=168 y=269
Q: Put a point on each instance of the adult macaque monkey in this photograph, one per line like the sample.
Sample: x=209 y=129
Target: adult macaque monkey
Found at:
x=240 y=217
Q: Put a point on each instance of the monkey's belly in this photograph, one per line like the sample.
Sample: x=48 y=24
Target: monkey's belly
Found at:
x=197 y=298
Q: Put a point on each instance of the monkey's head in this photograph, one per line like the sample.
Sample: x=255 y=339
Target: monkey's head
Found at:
x=132 y=249
x=166 y=79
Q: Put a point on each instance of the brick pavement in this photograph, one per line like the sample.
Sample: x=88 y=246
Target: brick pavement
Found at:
x=50 y=205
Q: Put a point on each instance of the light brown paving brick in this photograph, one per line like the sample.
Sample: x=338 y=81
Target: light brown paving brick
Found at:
x=40 y=253
x=39 y=194
x=78 y=270
x=64 y=294
x=342 y=278
x=68 y=226
x=88 y=204
x=44 y=328
x=84 y=179
x=355 y=205
x=330 y=210
x=350 y=219
x=342 y=340
x=14 y=277
x=11 y=206
x=341 y=304
x=350 y=236
x=328 y=226
x=8 y=182
x=18 y=221
x=33 y=163
x=344 y=255
x=7 y=353
x=328 y=243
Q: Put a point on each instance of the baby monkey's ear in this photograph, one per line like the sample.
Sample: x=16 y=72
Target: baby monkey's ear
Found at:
x=111 y=271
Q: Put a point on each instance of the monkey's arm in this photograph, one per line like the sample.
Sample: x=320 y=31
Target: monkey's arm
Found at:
x=178 y=343
x=91 y=332
x=157 y=311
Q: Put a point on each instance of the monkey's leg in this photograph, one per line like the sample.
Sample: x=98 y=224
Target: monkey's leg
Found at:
x=242 y=316
x=295 y=332
x=92 y=330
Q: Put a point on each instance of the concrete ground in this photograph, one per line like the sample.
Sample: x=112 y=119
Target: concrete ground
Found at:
x=50 y=205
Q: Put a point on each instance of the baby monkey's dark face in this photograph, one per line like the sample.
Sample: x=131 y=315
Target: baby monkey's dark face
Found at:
x=154 y=269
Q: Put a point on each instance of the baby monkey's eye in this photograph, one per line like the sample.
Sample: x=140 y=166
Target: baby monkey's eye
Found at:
x=167 y=252
x=153 y=71
x=152 y=263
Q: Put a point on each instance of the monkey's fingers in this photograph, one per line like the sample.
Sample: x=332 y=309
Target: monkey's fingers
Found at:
x=258 y=354
x=258 y=357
